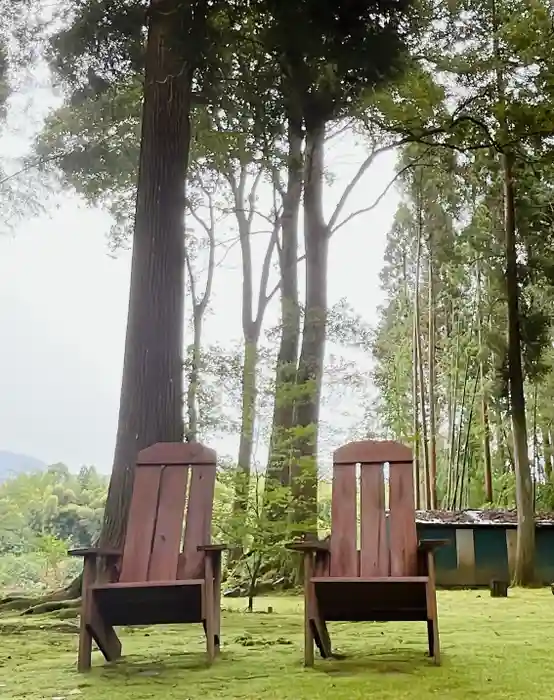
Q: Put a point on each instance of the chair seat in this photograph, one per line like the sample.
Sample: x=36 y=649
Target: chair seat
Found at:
x=370 y=579
x=150 y=602
x=372 y=599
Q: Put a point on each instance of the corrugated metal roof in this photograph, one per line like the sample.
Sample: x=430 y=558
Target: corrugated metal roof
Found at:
x=496 y=517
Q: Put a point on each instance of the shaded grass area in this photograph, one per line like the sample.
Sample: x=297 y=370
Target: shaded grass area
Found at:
x=493 y=648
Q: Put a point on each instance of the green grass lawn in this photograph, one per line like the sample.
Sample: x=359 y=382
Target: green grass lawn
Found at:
x=493 y=648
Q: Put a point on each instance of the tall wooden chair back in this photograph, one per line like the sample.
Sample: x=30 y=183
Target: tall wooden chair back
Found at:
x=387 y=549
x=170 y=513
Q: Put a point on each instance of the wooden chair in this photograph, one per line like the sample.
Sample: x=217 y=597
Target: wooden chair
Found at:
x=155 y=580
x=392 y=577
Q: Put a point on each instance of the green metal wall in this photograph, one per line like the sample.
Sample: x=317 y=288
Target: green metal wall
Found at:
x=491 y=556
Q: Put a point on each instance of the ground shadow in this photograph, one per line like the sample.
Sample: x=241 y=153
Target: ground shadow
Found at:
x=393 y=661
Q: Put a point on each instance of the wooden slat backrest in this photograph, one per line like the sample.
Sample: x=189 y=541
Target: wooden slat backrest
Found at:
x=159 y=505
x=344 y=554
x=384 y=551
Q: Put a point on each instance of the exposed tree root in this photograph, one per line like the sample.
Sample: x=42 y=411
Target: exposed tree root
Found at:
x=55 y=600
x=15 y=603
x=52 y=606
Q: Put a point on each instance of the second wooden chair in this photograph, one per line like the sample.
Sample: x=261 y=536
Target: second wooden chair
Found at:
x=392 y=576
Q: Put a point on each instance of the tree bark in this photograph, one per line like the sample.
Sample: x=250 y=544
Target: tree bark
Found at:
x=281 y=445
x=248 y=419
x=547 y=453
x=152 y=384
x=251 y=325
x=525 y=551
x=432 y=393
x=191 y=434
x=487 y=461
x=199 y=306
x=310 y=366
x=415 y=408
x=421 y=380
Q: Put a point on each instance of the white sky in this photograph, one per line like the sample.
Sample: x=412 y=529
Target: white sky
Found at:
x=63 y=306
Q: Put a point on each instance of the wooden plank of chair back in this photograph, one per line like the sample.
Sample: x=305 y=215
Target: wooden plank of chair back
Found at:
x=344 y=551
x=384 y=551
x=155 y=525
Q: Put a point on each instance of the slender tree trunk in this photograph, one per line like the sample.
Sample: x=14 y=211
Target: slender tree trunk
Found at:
x=152 y=385
x=487 y=462
x=452 y=414
x=421 y=381
x=525 y=550
x=547 y=452
x=310 y=366
x=191 y=433
x=248 y=420
x=458 y=449
x=245 y=210
x=466 y=453
x=281 y=445
x=415 y=409
x=536 y=457
x=432 y=395
x=199 y=306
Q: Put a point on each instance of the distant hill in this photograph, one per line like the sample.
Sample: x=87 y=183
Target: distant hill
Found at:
x=12 y=464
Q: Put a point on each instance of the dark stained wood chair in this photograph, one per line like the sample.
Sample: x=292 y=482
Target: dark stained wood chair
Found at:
x=167 y=572
x=392 y=576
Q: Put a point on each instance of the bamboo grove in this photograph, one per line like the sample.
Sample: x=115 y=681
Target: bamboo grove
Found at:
x=464 y=345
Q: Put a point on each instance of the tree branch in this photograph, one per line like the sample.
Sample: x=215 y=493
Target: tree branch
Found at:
x=368 y=162
x=378 y=200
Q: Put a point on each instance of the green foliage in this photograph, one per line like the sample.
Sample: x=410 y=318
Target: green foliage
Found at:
x=51 y=506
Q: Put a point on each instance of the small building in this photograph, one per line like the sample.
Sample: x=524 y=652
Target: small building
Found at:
x=482 y=545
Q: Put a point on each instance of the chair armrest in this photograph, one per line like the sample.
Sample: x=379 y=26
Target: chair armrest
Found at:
x=87 y=552
x=431 y=545
x=212 y=547
x=315 y=546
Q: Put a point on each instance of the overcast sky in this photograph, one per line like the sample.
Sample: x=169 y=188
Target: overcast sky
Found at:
x=63 y=306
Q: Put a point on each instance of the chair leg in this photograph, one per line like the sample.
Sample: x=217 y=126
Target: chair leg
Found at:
x=308 y=640
x=217 y=602
x=432 y=613
x=433 y=640
x=209 y=611
x=322 y=638
x=84 y=658
x=102 y=632
x=308 y=607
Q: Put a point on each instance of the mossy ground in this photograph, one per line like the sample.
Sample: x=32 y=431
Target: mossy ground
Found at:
x=497 y=649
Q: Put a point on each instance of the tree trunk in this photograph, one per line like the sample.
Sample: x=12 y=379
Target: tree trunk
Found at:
x=191 y=434
x=487 y=462
x=415 y=409
x=547 y=453
x=281 y=445
x=525 y=551
x=310 y=368
x=248 y=420
x=421 y=381
x=456 y=493
x=251 y=325
x=152 y=384
x=452 y=413
x=432 y=394
x=199 y=306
